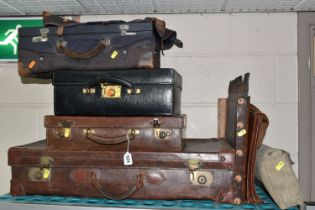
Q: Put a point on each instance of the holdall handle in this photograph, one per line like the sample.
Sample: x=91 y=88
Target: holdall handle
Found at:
x=134 y=188
x=109 y=140
x=62 y=46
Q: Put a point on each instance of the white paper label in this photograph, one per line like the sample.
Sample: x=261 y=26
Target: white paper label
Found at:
x=128 y=159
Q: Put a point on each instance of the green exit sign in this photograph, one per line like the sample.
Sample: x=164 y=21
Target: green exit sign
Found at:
x=9 y=35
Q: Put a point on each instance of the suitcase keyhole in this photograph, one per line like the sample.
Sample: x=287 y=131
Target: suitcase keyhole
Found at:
x=38 y=175
x=111 y=92
x=162 y=135
x=202 y=179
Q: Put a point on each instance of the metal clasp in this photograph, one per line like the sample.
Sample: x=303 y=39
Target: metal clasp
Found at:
x=199 y=177
x=66 y=129
x=164 y=134
x=43 y=172
x=43 y=35
x=194 y=164
x=124 y=30
x=110 y=91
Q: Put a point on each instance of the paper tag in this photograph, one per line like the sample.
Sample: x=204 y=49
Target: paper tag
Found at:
x=241 y=133
x=128 y=159
x=114 y=54
x=67 y=132
x=279 y=165
x=46 y=173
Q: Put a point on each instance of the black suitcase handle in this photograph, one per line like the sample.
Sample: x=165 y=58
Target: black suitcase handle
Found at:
x=115 y=80
x=110 y=140
x=134 y=188
x=62 y=46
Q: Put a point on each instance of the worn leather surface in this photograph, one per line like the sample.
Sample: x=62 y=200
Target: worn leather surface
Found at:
x=108 y=129
x=258 y=124
x=138 y=48
x=160 y=93
x=163 y=175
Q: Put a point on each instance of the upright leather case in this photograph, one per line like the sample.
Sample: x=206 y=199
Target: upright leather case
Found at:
x=117 y=92
x=204 y=170
x=100 y=45
x=160 y=134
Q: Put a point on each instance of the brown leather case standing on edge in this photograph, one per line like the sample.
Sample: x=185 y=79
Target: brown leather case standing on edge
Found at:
x=148 y=133
x=204 y=170
x=245 y=129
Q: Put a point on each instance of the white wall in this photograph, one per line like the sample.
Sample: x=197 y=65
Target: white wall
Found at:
x=217 y=48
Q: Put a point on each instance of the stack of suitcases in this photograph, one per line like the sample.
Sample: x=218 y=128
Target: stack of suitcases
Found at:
x=118 y=131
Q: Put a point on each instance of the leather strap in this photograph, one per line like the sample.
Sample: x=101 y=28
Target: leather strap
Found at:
x=132 y=190
x=258 y=123
x=62 y=46
x=50 y=19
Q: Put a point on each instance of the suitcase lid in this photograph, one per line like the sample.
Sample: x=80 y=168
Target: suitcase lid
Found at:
x=116 y=122
x=132 y=76
x=90 y=28
x=206 y=153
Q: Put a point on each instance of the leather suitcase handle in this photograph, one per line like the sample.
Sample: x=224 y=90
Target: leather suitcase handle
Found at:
x=115 y=80
x=62 y=46
x=132 y=189
x=109 y=140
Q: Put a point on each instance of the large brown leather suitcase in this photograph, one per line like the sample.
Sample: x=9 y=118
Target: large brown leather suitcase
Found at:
x=204 y=170
x=148 y=133
x=99 y=45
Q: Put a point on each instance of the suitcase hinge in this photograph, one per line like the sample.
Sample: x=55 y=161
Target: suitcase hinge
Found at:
x=136 y=91
x=88 y=90
x=157 y=123
x=199 y=177
x=43 y=35
x=43 y=172
x=124 y=30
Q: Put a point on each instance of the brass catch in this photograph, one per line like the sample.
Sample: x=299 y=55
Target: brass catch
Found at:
x=64 y=133
x=110 y=91
x=88 y=90
x=164 y=134
x=43 y=172
x=201 y=178
x=134 y=131
x=194 y=164
x=43 y=35
x=124 y=30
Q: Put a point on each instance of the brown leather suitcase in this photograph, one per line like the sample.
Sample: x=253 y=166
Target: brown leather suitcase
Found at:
x=204 y=170
x=146 y=133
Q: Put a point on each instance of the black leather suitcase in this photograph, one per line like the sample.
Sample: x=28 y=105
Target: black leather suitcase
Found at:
x=117 y=92
x=93 y=46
